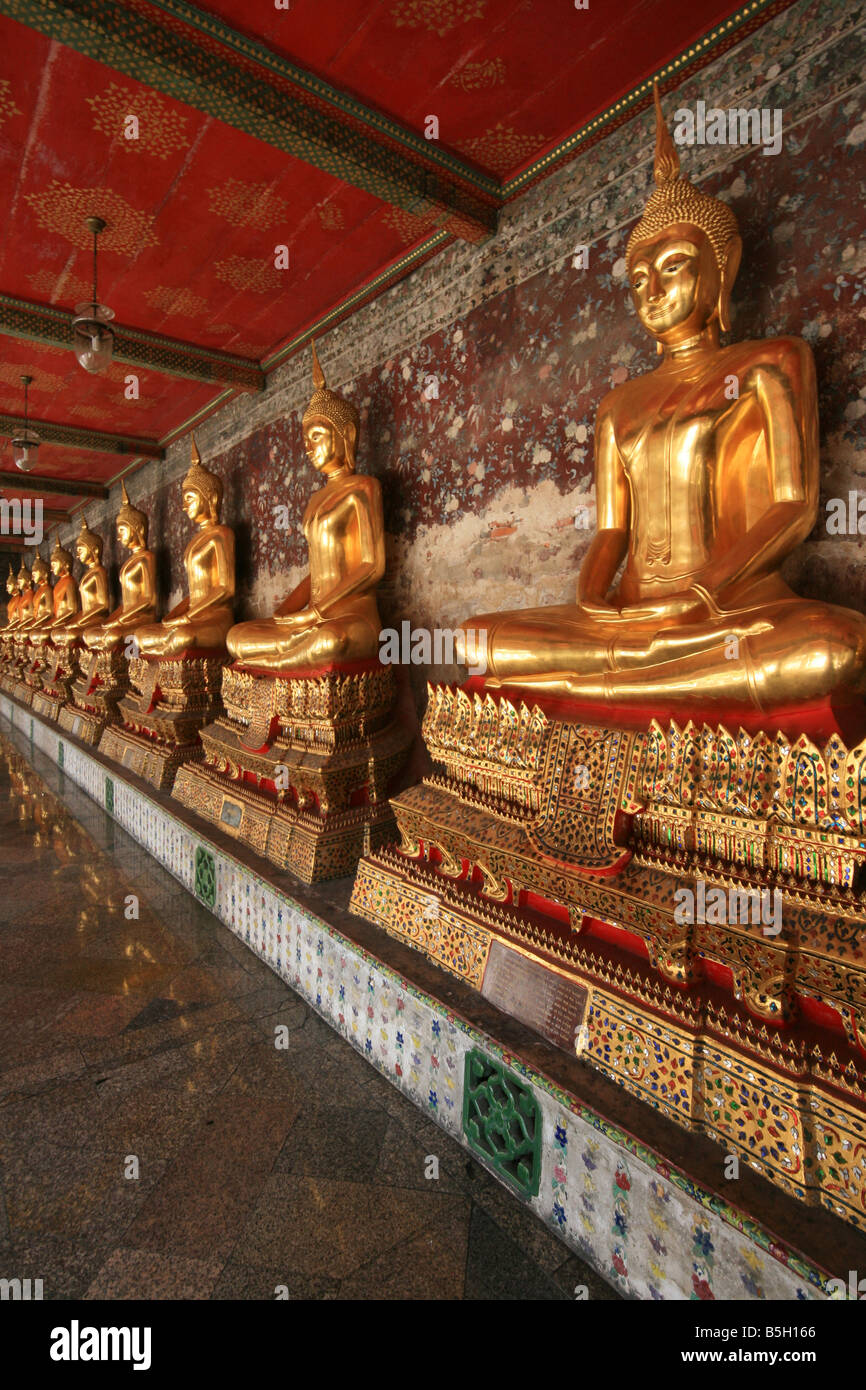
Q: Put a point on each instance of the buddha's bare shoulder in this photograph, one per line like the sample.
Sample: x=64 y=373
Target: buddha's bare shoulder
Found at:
x=791 y=356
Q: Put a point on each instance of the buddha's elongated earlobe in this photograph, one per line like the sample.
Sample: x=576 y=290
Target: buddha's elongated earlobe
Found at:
x=733 y=252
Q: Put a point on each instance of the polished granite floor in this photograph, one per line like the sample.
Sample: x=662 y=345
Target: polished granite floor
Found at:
x=147 y=1045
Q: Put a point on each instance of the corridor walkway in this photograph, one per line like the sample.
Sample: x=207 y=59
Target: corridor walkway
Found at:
x=154 y=1143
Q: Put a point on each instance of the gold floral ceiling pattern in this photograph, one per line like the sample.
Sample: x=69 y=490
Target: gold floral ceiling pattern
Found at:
x=247 y=204
x=181 y=302
x=257 y=275
x=43 y=382
x=7 y=103
x=57 y=286
x=157 y=129
x=439 y=16
x=63 y=209
x=501 y=148
x=473 y=76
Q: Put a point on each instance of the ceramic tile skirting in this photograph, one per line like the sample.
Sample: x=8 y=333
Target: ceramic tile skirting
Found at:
x=643 y=1224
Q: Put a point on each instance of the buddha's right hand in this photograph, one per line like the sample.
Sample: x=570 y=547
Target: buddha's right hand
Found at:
x=597 y=610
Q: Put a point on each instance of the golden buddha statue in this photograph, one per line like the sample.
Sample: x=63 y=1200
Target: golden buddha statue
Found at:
x=331 y=616
x=68 y=639
x=25 y=596
x=67 y=604
x=51 y=667
x=18 y=649
x=674 y=730
x=706 y=478
x=42 y=606
x=299 y=765
x=37 y=624
x=9 y=627
x=92 y=590
x=137 y=582
x=12 y=604
x=201 y=620
x=177 y=673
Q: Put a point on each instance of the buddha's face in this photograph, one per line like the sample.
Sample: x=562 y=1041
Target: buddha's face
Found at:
x=59 y=566
x=40 y=571
x=323 y=444
x=195 y=505
x=675 y=284
x=125 y=534
x=23 y=582
x=10 y=584
x=84 y=553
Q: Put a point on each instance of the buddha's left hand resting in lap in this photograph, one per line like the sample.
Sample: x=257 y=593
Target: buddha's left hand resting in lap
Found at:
x=331 y=617
x=706 y=478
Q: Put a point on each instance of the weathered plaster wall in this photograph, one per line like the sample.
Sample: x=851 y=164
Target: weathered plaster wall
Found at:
x=485 y=466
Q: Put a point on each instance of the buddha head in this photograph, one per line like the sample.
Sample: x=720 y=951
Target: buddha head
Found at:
x=131 y=524
x=11 y=586
x=61 y=561
x=684 y=253
x=202 y=490
x=330 y=427
x=23 y=578
x=88 y=546
x=40 y=569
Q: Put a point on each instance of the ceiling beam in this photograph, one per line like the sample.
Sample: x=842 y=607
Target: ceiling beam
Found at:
x=53 y=487
x=197 y=59
x=95 y=441
x=43 y=323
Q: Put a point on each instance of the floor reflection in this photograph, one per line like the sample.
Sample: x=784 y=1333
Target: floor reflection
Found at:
x=133 y=1025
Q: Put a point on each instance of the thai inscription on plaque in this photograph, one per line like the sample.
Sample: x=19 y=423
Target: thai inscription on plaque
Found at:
x=538 y=997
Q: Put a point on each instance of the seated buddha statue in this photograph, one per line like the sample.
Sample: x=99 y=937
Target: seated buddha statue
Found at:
x=51 y=666
x=64 y=599
x=92 y=591
x=331 y=616
x=23 y=614
x=706 y=474
x=40 y=617
x=199 y=623
x=300 y=759
x=67 y=604
x=26 y=591
x=12 y=602
x=42 y=607
x=178 y=671
x=11 y=611
x=137 y=582
x=7 y=632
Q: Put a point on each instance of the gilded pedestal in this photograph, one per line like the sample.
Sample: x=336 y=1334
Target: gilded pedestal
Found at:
x=171 y=700
x=299 y=768
x=60 y=674
x=644 y=865
x=96 y=694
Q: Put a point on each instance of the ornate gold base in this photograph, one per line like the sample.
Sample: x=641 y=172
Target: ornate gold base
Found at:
x=60 y=674
x=48 y=704
x=20 y=691
x=595 y=851
x=81 y=723
x=163 y=715
x=102 y=682
x=299 y=767
x=312 y=847
x=791 y=1104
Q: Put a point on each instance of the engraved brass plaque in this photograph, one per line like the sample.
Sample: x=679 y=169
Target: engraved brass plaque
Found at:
x=545 y=1001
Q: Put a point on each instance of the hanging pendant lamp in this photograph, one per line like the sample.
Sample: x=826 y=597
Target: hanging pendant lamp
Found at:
x=25 y=443
x=93 y=337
